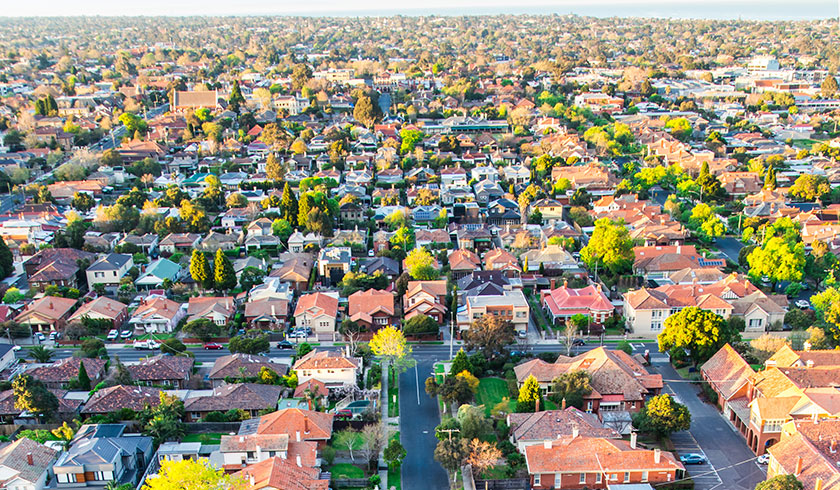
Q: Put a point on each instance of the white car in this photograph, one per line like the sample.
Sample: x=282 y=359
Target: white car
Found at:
x=803 y=304
x=763 y=459
x=113 y=334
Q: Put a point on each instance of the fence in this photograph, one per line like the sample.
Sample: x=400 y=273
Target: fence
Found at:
x=350 y=483
x=510 y=484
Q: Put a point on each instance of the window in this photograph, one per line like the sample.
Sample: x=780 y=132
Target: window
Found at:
x=773 y=425
x=582 y=478
x=520 y=314
x=98 y=274
x=558 y=478
x=756 y=322
x=597 y=478
x=614 y=477
x=656 y=326
x=656 y=314
x=589 y=406
x=626 y=477
x=537 y=479
x=103 y=475
x=645 y=475
x=66 y=477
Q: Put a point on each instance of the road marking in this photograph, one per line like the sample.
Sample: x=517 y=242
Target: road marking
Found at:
x=417 y=384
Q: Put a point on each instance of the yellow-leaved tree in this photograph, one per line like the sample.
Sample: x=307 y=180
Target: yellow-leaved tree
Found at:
x=194 y=475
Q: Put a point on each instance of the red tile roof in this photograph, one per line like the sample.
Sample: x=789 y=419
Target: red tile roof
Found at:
x=594 y=454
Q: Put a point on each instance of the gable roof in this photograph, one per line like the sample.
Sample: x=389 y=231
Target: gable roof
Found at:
x=595 y=454
x=317 y=304
x=110 y=262
x=279 y=474
x=13 y=458
x=114 y=398
x=727 y=371
x=161 y=367
x=64 y=370
x=555 y=424
x=364 y=304
x=291 y=421
x=244 y=396
x=100 y=307
x=326 y=359
x=234 y=364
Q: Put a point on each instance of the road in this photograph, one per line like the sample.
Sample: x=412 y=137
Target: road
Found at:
x=419 y=415
x=116 y=135
x=730 y=247
x=730 y=460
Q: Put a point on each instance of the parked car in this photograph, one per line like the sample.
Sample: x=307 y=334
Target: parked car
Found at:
x=285 y=344
x=692 y=458
x=578 y=342
x=113 y=334
x=126 y=334
x=146 y=344
x=55 y=335
x=803 y=304
x=297 y=334
x=40 y=337
x=344 y=414
x=213 y=346
x=763 y=459
x=522 y=334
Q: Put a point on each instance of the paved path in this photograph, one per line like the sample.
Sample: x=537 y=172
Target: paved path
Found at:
x=731 y=463
x=419 y=416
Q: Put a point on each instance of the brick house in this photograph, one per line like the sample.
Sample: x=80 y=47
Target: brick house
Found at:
x=372 y=309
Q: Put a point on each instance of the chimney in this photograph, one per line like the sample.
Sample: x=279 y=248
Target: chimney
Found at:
x=547 y=443
x=259 y=453
x=575 y=431
x=806 y=346
x=679 y=249
x=298 y=461
x=818 y=485
x=565 y=283
x=809 y=363
x=633 y=440
x=29 y=459
x=273 y=312
x=306 y=425
x=51 y=305
x=563 y=404
x=833 y=447
x=253 y=482
x=297 y=436
x=657 y=456
x=537 y=405
x=552 y=283
x=798 y=470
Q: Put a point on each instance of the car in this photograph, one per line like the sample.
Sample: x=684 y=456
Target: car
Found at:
x=692 y=458
x=126 y=334
x=40 y=336
x=803 y=304
x=370 y=253
x=517 y=353
x=285 y=344
x=578 y=342
x=17 y=348
x=55 y=335
x=146 y=344
x=522 y=334
x=213 y=346
x=113 y=334
x=297 y=334
x=763 y=459
x=344 y=413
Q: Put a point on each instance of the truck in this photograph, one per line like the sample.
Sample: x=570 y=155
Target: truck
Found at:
x=146 y=344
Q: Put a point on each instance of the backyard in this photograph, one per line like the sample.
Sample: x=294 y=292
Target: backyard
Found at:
x=206 y=438
x=491 y=391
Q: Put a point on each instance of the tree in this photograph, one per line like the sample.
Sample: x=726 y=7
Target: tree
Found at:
x=250 y=277
x=808 y=187
x=289 y=204
x=64 y=433
x=609 y=248
x=489 y=334
x=200 y=269
x=782 y=482
x=570 y=332
x=770 y=178
x=163 y=422
x=389 y=344
x=348 y=439
x=700 y=331
x=13 y=296
x=83 y=380
x=236 y=200
x=418 y=262
x=197 y=474
x=236 y=98
x=373 y=441
x=661 y=416
x=420 y=325
x=778 y=259
x=471 y=380
x=829 y=86
x=460 y=363
x=224 y=275
x=572 y=387
x=394 y=454
x=7 y=267
x=529 y=395
x=83 y=201
x=451 y=453
x=765 y=346
x=174 y=347
x=249 y=345
x=367 y=111
x=301 y=74
x=93 y=348
x=32 y=396
x=40 y=354
x=203 y=328
x=274 y=170
x=483 y=455
x=472 y=422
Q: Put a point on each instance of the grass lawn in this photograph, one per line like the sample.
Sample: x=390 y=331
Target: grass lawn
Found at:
x=346 y=470
x=495 y=473
x=685 y=374
x=208 y=438
x=395 y=474
x=490 y=392
x=356 y=446
x=394 y=393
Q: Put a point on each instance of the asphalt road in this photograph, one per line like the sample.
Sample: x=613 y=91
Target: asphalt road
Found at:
x=732 y=464
x=730 y=247
x=419 y=415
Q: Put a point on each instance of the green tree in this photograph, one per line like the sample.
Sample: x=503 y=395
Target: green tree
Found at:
x=770 y=178
x=451 y=453
x=460 y=363
x=83 y=201
x=421 y=324
x=236 y=99
x=7 y=267
x=367 y=111
x=32 y=396
x=610 y=247
x=93 y=348
x=394 y=454
x=40 y=354
x=289 y=204
x=249 y=344
x=163 y=422
x=200 y=269
x=809 y=187
x=572 y=386
x=778 y=259
x=301 y=74
x=173 y=347
x=202 y=328
x=661 y=416
x=781 y=482
x=224 y=275
x=529 y=395
x=83 y=380
x=13 y=296
x=700 y=331
x=274 y=169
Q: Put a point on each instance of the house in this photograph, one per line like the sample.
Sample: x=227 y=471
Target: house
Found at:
x=55 y=267
x=102 y=308
x=294 y=272
x=728 y=375
x=549 y=208
x=658 y=262
x=186 y=100
x=300 y=425
x=147 y=243
x=553 y=258
x=298 y=241
x=109 y=270
x=47 y=314
x=259 y=227
x=528 y=429
x=114 y=398
x=26 y=465
x=60 y=372
x=242 y=365
x=219 y=310
x=218 y=241
x=7 y=356
x=277 y=473
x=597 y=463
x=156 y=314
x=426 y=298
x=499 y=259
x=332 y=368
x=158 y=272
x=162 y=370
x=68 y=407
x=510 y=305
x=179 y=242
x=250 y=397
x=98 y=459
x=267 y=313
x=564 y=302
x=372 y=309
x=619 y=382
x=463 y=262
x=317 y=311
x=517 y=174
x=333 y=264
x=808 y=450
x=386 y=266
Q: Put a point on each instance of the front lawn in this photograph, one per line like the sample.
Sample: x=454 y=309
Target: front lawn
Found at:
x=393 y=394
x=395 y=474
x=491 y=391
x=357 y=444
x=345 y=470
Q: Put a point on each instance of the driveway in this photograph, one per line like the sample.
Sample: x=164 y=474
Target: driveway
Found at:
x=419 y=416
x=730 y=460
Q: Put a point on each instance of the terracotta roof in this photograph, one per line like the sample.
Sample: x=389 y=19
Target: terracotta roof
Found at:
x=371 y=302
x=161 y=367
x=434 y=288
x=111 y=399
x=463 y=259
x=293 y=420
x=250 y=442
x=64 y=370
x=279 y=474
x=568 y=301
x=65 y=405
x=727 y=371
x=14 y=461
x=49 y=308
x=245 y=396
x=596 y=455
x=325 y=359
x=554 y=424
x=158 y=306
x=787 y=357
x=204 y=306
x=54 y=271
x=815 y=463
x=312 y=385
x=317 y=304
x=101 y=307
x=234 y=364
x=272 y=307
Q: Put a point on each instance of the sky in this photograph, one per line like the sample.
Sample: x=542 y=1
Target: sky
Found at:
x=715 y=9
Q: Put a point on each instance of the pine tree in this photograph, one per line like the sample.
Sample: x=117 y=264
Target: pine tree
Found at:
x=460 y=364
x=84 y=379
x=225 y=276
x=305 y=205
x=236 y=98
x=200 y=269
x=289 y=204
x=6 y=260
x=770 y=178
x=273 y=168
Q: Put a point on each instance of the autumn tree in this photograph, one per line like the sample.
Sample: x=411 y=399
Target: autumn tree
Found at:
x=529 y=395
x=197 y=474
x=274 y=169
x=766 y=345
x=367 y=111
x=700 y=331
x=489 y=334
x=781 y=482
x=482 y=455
x=809 y=187
x=829 y=86
x=32 y=396
x=420 y=265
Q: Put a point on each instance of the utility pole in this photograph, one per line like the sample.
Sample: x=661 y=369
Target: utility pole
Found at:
x=450 y=431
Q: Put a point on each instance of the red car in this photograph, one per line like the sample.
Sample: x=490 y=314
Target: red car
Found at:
x=213 y=346
x=344 y=414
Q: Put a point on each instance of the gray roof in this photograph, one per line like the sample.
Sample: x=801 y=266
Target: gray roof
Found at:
x=103 y=450
x=110 y=262
x=4 y=348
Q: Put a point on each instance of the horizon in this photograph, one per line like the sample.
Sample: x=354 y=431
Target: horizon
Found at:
x=750 y=10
